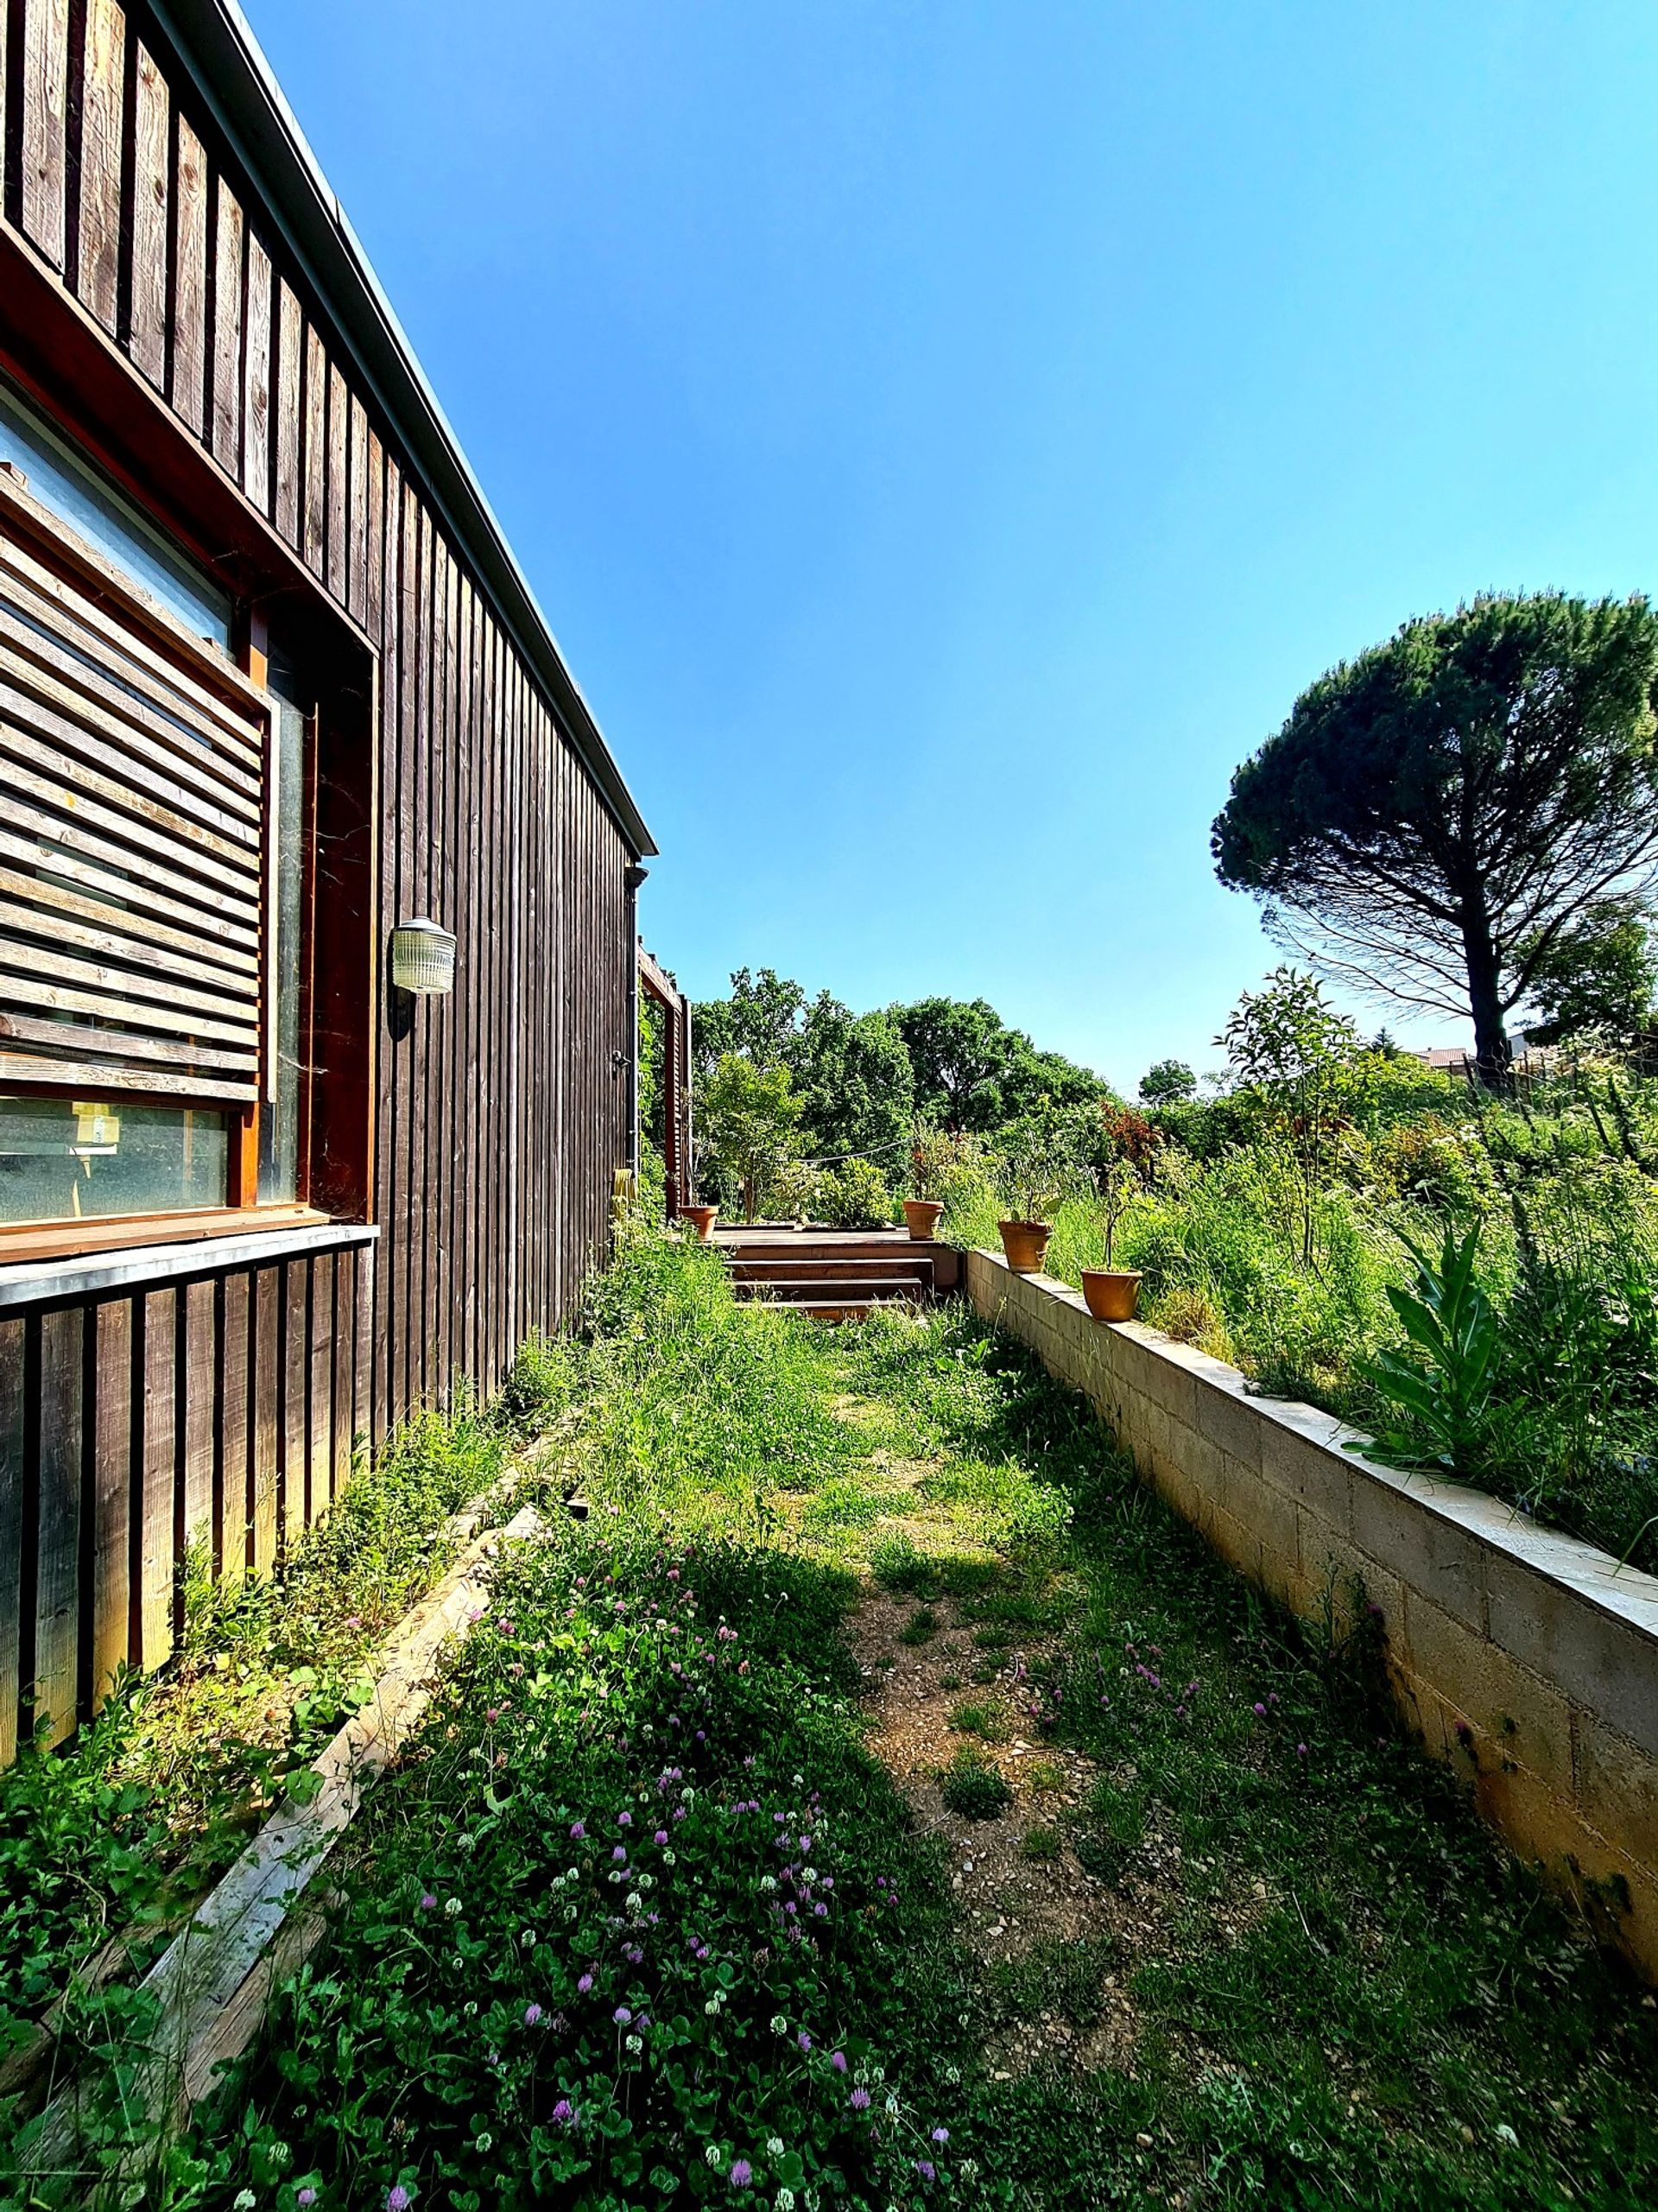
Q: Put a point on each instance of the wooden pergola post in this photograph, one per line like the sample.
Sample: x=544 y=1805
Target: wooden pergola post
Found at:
x=676 y=1081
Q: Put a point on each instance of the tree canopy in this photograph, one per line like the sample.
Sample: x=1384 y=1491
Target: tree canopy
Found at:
x=1435 y=815
x=974 y=1072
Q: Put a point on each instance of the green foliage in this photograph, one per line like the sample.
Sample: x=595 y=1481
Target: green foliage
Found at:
x=973 y=1072
x=1520 y=727
x=1168 y=1082
x=854 y=1195
x=747 y=1116
x=1597 y=978
x=1442 y=1387
x=972 y=1788
x=857 y=1092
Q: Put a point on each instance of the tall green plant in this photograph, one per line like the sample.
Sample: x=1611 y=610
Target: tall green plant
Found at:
x=1444 y=1388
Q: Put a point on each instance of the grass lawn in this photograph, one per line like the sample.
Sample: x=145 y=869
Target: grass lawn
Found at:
x=881 y=1801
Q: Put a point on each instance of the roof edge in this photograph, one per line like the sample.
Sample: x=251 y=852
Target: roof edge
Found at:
x=218 y=51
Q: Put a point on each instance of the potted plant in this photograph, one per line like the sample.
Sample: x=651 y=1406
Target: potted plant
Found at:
x=921 y=1213
x=1112 y=1293
x=701 y=1219
x=1031 y=1174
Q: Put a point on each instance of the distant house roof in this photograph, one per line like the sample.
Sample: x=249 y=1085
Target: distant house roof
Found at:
x=223 y=57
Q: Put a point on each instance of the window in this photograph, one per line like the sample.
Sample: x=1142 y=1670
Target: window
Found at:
x=152 y=845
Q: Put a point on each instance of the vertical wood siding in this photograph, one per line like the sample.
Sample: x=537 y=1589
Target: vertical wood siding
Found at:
x=501 y=1115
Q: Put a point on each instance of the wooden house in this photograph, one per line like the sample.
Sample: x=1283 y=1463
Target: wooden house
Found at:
x=272 y=685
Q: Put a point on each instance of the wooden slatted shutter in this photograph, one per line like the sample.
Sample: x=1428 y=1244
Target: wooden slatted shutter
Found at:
x=133 y=799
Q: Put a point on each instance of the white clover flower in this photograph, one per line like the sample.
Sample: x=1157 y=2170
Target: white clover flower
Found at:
x=892 y=2107
x=635 y=2044
x=970 y=2169
x=809 y=1874
x=245 y=2200
x=715 y=2155
x=647 y=1881
x=570 y=1912
x=670 y=1858
x=571 y=1875
x=767 y=1881
x=860 y=2076
x=877 y=2073
x=712 y=2008
x=452 y=1907
x=784 y=2201
x=800 y=1782
x=485 y=2142
x=633 y=1900
x=528 y=1939
x=779 y=2026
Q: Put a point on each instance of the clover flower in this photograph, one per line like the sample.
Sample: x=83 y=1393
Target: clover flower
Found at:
x=622 y=2015
x=428 y=1903
x=779 y=2024
x=742 y=2173
x=713 y=2155
x=774 y=2146
x=860 y=2100
x=532 y=2014
x=306 y=2197
x=838 y=2060
x=940 y=2134
x=585 y=1985
x=397 y=2198
x=564 y=2113
x=577 y=1830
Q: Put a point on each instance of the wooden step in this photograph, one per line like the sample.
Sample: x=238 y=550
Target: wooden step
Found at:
x=806 y=1291
x=751 y=1267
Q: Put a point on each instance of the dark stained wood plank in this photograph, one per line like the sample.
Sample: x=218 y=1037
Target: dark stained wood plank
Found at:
x=14 y=1600
x=232 y=1478
x=102 y=117
x=156 y=1485
x=320 y=1447
x=315 y=420
x=256 y=378
x=198 y=1365
x=264 y=1348
x=363 y=1258
x=356 y=582
x=229 y=274
x=187 y=385
x=373 y=505
x=350 y=1285
x=294 y=1432
x=149 y=218
x=44 y=78
x=290 y=423
x=338 y=464
x=106 y=1639
x=57 y=1574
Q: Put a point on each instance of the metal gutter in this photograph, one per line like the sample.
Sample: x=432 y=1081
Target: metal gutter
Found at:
x=218 y=49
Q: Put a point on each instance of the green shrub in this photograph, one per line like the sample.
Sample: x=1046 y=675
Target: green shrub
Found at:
x=854 y=1195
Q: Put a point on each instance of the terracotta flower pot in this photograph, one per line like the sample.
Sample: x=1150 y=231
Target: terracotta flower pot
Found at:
x=701 y=1219
x=921 y=1215
x=1026 y=1245
x=1112 y=1294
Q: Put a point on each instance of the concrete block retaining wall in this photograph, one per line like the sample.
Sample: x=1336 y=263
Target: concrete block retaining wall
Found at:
x=1526 y=1660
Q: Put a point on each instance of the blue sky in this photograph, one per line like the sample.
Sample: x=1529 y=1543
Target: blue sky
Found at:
x=945 y=437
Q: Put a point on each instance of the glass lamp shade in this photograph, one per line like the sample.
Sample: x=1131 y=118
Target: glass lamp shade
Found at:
x=423 y=958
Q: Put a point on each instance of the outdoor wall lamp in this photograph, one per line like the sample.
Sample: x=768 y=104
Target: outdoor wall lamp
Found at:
x=423 y=958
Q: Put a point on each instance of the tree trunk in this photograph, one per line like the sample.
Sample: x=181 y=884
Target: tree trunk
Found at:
x=1491 y=1049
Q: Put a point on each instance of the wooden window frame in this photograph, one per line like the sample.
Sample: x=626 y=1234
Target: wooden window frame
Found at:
x=43 y=534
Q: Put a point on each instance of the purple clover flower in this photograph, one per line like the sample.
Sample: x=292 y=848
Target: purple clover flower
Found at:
x=532 y=2014
x=564 y=2112
x=860 y=2100
x=838 y=2060
x=742 y=2173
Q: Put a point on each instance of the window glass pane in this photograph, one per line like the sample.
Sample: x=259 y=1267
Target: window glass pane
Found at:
x=67 y=1160
x=279 y=1122
x=62 y=480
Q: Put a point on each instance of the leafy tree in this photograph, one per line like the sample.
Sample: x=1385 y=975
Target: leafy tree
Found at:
x=746 y=1120
x=856 y=1083
x=1171 y=1083
x=973 y=1072
x=1599 y=976
x=1435 y=815
x=763 y=1018
x=1294 y=1054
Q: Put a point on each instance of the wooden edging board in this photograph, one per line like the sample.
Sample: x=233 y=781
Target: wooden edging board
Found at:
x=212 y=1983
